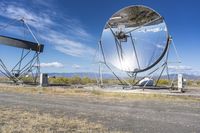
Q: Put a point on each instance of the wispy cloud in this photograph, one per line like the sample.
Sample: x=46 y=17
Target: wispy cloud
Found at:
x=67 y=46
x=43 y=3
x=185 y=69
x=11 y=29
x=180 y=67
x=52 y=64
x=71 y=38
x=74 y=28
x=35 y=20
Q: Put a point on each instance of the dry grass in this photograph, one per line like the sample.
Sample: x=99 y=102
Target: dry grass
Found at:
x=95 y=93
x=143 y=96
x=20 y=121
x=15 y=120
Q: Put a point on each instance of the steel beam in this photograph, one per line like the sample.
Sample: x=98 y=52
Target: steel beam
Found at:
x=14 y=42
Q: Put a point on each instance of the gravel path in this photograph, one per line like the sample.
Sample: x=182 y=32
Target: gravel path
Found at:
x=138 y=116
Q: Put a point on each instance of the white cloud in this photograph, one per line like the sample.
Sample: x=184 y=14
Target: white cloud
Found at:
x=40 y=20
x=70 y=38
x=68 y=46
x=11 y=29
x=151 y=30
x=76 y=66
x=74 y=28
x=180 y=67
x=160 y=46
x=185 y=69
x=154 y=28
x=81 y=32
x=52 y=64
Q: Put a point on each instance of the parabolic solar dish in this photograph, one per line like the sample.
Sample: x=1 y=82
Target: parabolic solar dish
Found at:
x=134 y=39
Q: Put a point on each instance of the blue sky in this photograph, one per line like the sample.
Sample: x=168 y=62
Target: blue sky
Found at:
x=70 y=29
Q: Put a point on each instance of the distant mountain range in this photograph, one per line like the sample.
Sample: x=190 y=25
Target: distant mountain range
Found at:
x=80 y=74
x=185 y=76
x=109 y=76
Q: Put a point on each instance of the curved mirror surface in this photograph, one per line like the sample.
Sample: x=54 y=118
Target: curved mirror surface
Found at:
x=134 y=38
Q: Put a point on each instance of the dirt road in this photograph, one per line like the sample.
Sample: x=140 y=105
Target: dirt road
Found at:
x=138 y=116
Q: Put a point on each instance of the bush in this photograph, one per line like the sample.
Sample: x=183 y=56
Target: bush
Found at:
x=198 y=83
x=163 y=82
x=72 y=80
x=190 y=82
x=59 y=80
x=75 y=80
x=29 y=79
x=87 y=80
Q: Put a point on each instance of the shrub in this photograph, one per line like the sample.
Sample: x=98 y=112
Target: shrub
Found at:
x=163 y=82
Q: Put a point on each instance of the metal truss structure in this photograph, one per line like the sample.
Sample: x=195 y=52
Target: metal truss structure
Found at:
x=162 y=66
x=29 y=62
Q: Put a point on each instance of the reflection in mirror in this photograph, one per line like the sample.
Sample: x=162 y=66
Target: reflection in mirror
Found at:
x=134 y=39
